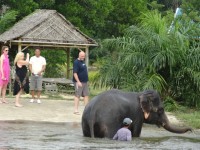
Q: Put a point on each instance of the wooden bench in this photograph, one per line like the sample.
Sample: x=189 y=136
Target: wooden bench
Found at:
x=55 y=85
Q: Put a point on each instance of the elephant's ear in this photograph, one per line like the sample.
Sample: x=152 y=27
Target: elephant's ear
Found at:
x=144 y=103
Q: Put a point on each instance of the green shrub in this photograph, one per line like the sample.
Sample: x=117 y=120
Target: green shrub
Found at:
x=170 y=104
x=93 y=75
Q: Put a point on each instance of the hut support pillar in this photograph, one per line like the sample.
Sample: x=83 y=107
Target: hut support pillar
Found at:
x=19 y=46
x=68 y=62
x=87 y=56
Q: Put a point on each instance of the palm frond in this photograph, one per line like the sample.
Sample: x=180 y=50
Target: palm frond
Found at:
x=155 y=81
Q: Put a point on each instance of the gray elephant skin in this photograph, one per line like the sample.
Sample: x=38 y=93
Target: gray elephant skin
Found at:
x=103 y=115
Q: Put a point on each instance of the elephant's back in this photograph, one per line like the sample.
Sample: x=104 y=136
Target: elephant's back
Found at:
x=111 y=98
x=118 y=95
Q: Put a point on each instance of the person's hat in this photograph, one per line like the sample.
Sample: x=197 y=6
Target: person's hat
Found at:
x=127 y=121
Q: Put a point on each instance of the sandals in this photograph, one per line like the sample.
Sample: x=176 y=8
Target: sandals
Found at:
x=3 y=102
x=18 y=106
x=76 y=113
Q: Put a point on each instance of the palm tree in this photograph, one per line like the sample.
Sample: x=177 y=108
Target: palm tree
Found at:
x=148 y=57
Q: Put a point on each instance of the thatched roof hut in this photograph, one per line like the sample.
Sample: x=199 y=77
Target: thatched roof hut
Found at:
x=46 y=28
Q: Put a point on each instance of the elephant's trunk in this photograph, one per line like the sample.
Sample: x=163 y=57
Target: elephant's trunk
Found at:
x=166 y=124
x=170 y=128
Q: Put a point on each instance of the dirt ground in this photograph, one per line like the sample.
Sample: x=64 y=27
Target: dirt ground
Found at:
x=49 y=110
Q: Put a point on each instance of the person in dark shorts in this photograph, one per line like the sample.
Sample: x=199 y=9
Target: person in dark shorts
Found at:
x=80 y=79
x=124 y=134
x=21 y=82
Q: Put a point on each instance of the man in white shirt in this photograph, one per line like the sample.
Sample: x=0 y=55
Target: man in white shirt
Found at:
x=37 y=65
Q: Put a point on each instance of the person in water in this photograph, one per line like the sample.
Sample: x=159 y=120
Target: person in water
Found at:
x=124 y=134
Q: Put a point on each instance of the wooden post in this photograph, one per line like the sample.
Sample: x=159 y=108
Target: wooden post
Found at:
x=68 y=62
x=87 y=56
x=19 y=46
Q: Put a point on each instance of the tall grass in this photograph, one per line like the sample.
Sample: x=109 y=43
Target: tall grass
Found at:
x=190 y=116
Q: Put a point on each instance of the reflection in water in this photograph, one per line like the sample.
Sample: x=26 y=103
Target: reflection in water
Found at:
x=46 y=135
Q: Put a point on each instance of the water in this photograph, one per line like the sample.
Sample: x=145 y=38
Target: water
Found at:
x=20 y=135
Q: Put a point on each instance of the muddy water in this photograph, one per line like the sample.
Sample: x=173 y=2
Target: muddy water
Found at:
x=21 y=135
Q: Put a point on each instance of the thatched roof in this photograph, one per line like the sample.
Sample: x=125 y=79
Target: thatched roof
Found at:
x=46 y=26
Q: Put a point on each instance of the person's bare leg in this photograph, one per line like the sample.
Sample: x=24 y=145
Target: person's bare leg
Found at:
x=4 y=88
x=17 y=104
x=1 y=95
x=33 y=94
x=38 y=94
x=86 y=98
x=76 y=103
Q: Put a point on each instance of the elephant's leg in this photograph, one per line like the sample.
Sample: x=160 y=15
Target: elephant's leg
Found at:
x=137 y=128
x=113 y=129
x=86 y=129
x=105 y=130
x=100 y=130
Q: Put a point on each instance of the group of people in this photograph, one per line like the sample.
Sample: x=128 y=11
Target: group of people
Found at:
x=36 y=64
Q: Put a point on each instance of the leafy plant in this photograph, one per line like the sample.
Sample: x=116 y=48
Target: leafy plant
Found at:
x=149 y=57
x=170 y=104
x=54 y=62
x=7 y=20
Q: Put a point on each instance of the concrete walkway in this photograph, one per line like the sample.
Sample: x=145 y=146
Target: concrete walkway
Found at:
x=48 y=110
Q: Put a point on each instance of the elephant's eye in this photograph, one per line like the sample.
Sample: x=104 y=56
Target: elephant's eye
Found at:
x=160 y=110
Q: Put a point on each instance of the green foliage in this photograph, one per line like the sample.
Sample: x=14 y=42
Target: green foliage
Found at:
x=93 y=75
x=102 y=18
x=192 y=5
x=148 y=57
x=23 y=7
x=98 y=19
x=155 y=5
x=54 y=61
x=124 y=14
x=170 y=104
x=190 y=116
x=89 y=16
x=7 y=20
x=62 y=70
x=45 y=4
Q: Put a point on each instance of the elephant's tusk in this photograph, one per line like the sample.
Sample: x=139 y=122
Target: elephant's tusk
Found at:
x=163 y=124
x=146 y=115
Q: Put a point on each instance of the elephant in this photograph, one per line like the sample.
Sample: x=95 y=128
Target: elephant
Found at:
x=103 y=115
